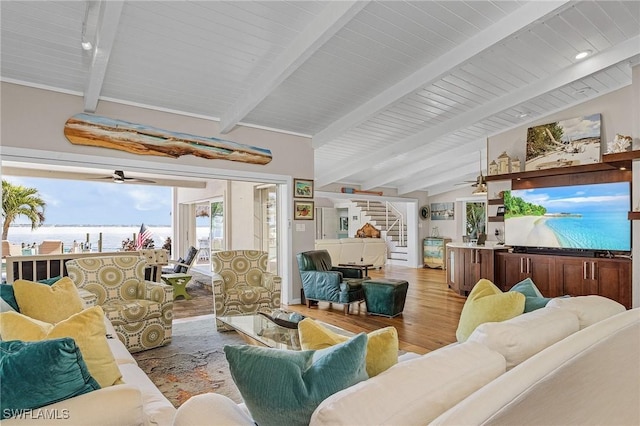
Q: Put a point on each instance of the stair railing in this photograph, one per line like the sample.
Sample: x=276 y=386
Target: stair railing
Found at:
x=399 y=221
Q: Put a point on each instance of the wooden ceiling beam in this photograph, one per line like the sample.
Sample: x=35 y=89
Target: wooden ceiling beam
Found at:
x=623 y=51
x=108 y=20
x=425 y=162
x=496 y=33
x=316 y=34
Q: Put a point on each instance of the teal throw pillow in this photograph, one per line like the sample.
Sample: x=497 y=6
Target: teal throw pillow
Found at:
x=35 y=374
x=50 y=281
x=7 y=295
x=533 y=297
x=282 y=387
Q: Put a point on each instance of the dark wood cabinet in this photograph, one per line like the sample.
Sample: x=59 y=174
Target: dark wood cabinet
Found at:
x=511 y=268
x=469 y=266
x=606 y=277
x=566 y=275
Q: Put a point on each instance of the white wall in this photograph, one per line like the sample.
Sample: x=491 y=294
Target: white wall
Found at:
x=635 y=132
x=241 y=220
x=616 y=117
x=32 y=131
x=450 y=228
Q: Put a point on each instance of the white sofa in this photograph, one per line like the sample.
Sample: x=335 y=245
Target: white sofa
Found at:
x=355 y=250
x=576 y=361
x=137 y=402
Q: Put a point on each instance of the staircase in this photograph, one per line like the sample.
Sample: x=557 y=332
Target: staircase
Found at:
x=390 y=223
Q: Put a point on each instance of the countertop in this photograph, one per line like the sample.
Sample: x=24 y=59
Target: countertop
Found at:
x=489 y=245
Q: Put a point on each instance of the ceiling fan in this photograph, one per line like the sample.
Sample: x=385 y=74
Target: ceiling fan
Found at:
x=480 y=183
x=119 y=177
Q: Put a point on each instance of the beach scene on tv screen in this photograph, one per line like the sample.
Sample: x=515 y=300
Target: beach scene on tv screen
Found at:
x=578 y=217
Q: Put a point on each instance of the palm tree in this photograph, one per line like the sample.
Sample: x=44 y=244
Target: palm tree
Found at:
x=20 y=201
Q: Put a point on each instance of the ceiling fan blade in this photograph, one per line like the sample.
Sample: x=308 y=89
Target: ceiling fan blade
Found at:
x=119 y=177
x=139 y=180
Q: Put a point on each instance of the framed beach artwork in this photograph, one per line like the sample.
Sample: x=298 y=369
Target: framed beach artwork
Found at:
x=303 y=210
x=302 y=188
x=564 y=143
x=442 y=211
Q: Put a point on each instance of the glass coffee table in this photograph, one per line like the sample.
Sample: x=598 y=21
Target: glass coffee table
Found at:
x=258 y=330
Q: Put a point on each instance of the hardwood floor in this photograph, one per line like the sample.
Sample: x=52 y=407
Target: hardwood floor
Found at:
x=428 y=322
x=430 y=315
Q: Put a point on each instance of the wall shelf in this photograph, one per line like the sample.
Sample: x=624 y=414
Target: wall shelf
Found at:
x=495 y=201
x=495 y=218
x=621 y=159
x=609 y=162
x=634 y=215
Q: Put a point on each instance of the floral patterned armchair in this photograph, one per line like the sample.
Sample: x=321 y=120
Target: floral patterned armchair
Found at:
x=242 y=285
x=140 y=311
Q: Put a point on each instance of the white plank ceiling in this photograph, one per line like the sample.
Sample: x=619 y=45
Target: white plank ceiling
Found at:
x=399 y=94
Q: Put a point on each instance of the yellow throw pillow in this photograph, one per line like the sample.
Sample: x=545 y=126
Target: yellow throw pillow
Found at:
x=48 y=303
x=87 y=328
x=382 y=344
x=487 y=303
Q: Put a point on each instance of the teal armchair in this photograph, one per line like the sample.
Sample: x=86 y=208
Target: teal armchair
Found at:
x=323 y=282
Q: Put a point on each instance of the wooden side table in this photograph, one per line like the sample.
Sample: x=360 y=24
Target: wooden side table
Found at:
x=362 y=266
x=179 y=284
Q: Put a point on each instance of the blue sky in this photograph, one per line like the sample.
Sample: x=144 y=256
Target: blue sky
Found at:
x=580 y=198
x=71 y=202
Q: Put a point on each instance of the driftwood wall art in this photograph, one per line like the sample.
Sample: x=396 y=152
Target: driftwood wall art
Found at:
x=93 y=130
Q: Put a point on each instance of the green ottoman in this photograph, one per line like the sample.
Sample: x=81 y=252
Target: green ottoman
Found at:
x=385 y=296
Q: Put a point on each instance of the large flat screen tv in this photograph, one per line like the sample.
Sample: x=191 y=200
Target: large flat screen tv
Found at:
x=585 y=217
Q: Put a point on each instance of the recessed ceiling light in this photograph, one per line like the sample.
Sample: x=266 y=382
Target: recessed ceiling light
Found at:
x=583 y=54
x=86 y=45
x=523 y=115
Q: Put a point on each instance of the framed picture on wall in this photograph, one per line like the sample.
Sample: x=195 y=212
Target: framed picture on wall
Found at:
x=303 y=210
x=564 y=143
x=442 y=211
x=302 y=188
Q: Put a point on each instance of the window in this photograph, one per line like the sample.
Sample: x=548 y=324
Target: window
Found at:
x=217 y=226
x=474 y=221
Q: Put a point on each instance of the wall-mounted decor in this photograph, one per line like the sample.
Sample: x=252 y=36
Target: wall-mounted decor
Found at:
x=564 y=143
x=442 y=211
x=348 y=190
x=94 y=130
x=303 y=210
x=620 y=143
x=504 y=164
x=302 y=188
x=425 y=212
x=203 y=210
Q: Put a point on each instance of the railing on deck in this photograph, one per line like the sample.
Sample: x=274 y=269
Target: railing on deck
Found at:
x=42 y=266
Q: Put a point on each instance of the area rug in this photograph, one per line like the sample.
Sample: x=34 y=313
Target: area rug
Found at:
x=193 y=363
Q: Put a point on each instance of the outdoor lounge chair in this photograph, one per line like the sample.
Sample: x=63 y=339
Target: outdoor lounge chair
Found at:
x=182 y=265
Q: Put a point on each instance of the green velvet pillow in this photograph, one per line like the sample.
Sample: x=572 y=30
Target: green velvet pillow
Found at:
x=50 y=281
x=534 y=299
x=283 y=387
x=487 y=303
x=35 y=374
x=6 y=293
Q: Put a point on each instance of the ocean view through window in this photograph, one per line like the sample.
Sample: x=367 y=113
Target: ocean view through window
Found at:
x=112 y=236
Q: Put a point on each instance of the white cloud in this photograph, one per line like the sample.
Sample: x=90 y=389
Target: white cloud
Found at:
x=147 y=200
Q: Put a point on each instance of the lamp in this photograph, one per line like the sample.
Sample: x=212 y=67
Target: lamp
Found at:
x=480 y=190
